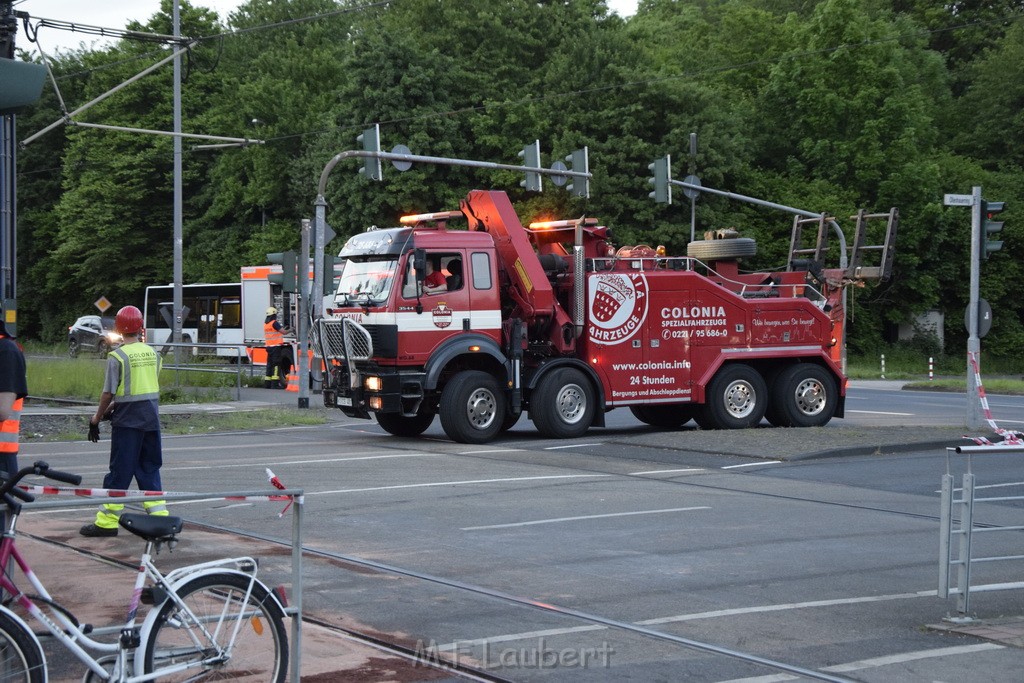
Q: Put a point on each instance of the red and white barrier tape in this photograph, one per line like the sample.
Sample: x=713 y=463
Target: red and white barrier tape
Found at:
x=120 y=493
x=1010 y=437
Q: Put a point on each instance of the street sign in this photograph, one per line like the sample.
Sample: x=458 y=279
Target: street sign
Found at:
x=400 y=164
x=958 y=200
x=689 y=191
x=559 y=180
x=102 y=304
x=984 y=318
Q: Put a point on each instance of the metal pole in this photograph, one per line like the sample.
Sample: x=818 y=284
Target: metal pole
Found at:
x=974 y=420
x=963 y=582
x=304 y=295
x=297 y=513
x=177 y=322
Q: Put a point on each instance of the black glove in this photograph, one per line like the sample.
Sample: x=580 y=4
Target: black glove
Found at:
x=94 y=432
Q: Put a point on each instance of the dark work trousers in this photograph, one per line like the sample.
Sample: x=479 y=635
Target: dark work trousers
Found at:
x=272 y=378
x=134 y=453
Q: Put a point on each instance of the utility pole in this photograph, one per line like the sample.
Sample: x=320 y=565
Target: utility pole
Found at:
x=176 y=329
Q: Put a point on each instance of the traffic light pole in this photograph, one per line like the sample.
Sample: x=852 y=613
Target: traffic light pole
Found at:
x=974 y=418
x=305 y=295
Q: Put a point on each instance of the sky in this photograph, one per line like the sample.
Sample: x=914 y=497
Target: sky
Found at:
x=117 y=13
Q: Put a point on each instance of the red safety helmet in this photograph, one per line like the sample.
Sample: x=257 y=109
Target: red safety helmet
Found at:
x=128 y=320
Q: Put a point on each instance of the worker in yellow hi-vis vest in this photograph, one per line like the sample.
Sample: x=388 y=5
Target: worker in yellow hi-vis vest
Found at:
x=131 y=391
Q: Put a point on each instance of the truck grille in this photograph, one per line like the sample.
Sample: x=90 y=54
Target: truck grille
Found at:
x=343 y=339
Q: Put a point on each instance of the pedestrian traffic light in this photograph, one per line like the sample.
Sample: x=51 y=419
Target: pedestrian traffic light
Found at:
x=579 y=161
x=328 y=276
x=288 y=277
x=371 y=143
x=531 y=159
x=990 y=228
x=662 y=169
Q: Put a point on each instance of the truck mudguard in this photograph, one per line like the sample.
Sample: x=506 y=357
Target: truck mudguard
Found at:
x=460 y=346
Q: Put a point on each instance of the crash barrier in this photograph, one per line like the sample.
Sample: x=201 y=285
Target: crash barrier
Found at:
x=294 y=498
x=236 y=355
x=963 y=535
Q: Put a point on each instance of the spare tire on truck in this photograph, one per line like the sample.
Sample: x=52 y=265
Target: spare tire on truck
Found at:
x=718 y=250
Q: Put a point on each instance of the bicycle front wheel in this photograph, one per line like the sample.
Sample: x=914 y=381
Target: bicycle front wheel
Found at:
x=21 y=657
x=223 y=635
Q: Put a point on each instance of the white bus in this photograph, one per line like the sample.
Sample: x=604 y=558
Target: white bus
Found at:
x=212 y=315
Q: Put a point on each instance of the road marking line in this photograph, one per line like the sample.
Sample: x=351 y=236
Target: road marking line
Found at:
x=692 y=469
x=493 y=450
x=752 y=464
x=575 y=445
x=785 y=607
x=285 y=463
x=555 y=520
x=879 y=661
x=879 y=412
x=530 y=635
x=459 y=483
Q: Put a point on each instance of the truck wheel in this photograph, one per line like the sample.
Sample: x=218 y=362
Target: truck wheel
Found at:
x=735 y=399
x=400 y=425
x=803 y=395
x=563 y=404
x=472 y=407
x=716 y=250
x=664 y=416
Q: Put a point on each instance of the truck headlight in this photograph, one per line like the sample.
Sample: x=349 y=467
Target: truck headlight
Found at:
x=373 y=384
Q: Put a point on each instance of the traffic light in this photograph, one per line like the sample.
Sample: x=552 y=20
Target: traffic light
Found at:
x=662 y=169
x=23 y=84
x=288 y=277
x=579 y=161
x=990 y=228
x=531 y=158
x=371 y=143
x=329 y=285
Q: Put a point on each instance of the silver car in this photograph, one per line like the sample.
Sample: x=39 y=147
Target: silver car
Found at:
x=92 y=333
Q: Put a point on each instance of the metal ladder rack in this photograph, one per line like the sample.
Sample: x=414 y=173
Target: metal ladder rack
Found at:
x=856 y=271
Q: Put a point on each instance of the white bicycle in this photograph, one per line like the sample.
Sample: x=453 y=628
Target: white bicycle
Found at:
x=209 y=621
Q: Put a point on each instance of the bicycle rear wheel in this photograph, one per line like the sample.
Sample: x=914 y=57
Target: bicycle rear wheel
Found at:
x=259 y=651
x=21 y=658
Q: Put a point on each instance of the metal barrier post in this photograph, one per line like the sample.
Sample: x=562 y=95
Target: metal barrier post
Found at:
x=945 y=526
x=966 y=526
x=297 y=587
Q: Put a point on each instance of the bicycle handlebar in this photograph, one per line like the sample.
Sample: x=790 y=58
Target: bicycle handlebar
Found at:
x=9 y=489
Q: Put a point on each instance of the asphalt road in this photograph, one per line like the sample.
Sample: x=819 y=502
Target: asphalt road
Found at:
x=653 y=547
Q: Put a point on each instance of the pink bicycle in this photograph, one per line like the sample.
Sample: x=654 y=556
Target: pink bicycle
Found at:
x=209 y=621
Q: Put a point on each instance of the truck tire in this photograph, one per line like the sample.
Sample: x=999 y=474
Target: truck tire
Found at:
x=563 y=404
x=472 y=407
x=803 y=395
x=664 y=416
x=717 y=250
x=400 y=425
x=735 y=398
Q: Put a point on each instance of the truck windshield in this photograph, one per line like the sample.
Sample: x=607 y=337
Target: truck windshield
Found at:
x=365 y=282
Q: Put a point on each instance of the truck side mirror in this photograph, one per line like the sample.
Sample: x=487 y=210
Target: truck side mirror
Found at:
x=419 y=262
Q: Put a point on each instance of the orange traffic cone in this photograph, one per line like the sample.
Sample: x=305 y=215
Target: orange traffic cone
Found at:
x=293 y=382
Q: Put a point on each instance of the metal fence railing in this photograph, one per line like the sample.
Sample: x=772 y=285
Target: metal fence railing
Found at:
x=192 y=357
x=963 y=536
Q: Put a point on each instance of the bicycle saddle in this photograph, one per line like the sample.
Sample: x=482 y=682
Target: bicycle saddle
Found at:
x=151 y=527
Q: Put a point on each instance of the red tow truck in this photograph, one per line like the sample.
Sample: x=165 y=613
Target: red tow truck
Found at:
x=552 y=320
